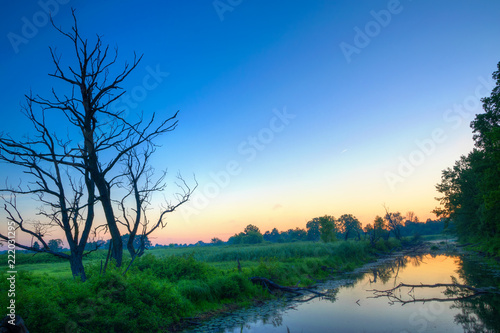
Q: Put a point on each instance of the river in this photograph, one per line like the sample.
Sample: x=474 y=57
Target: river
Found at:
x=353 y=306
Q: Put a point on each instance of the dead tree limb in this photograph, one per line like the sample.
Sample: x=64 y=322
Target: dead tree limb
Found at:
x=297 y=291
x=464 y=292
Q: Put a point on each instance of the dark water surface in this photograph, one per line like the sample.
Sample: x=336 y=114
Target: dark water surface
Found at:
x=352 y=308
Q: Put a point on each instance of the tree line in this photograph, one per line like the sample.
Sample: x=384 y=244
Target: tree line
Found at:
x=328 y=229
x=470 y=189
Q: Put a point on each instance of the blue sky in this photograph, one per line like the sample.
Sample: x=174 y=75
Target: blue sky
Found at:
x=268 y=88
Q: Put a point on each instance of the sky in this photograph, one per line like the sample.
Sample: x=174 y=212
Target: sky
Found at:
x=287 y=110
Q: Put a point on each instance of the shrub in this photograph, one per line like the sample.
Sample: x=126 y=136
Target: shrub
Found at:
x=174 y=268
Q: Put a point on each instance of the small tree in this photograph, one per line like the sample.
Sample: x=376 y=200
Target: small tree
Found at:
x=216 y=241
x=55 y=245
x=327 y=228
x=394 y=222
x=349 y=225
x=273 y=236
x=375 y=231
x=253 y=237
x=141 y=186
x=379 y=227
x=313 y=232
x=251 y=228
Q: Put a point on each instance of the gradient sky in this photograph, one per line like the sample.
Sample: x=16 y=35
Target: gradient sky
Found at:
x=289 y=110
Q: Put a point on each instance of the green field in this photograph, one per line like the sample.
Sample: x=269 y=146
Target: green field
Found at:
x=169 y=284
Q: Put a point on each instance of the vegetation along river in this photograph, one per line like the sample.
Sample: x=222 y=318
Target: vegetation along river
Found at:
x=359 y=301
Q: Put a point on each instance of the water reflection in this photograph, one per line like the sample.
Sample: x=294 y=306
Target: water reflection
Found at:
x=478 y=314
x=352 y=310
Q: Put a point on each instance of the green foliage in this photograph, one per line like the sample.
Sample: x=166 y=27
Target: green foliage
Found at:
x=377 y=231
x=250 y=229
x=55 y=245
x=313 y=233
x=471 y=188
x=251 y=235
x=216 y=241
x=110 y=303
x=327 y=228
x=348 y=224
x=394 y=223
x=173 y=268
x=167 y=284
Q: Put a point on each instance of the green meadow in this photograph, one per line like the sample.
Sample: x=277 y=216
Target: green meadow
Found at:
x=166 y=286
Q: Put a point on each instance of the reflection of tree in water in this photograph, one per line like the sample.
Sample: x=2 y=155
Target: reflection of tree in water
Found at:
x=391 y=268
x=479 y=314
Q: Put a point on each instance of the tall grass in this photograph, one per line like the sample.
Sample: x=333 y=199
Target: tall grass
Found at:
x=280 y=251
x=166 y=285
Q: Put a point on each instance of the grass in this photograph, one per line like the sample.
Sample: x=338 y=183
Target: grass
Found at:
x=168 y=284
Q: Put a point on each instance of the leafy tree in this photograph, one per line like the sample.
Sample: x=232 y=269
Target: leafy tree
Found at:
x=298 y=234
x=394 y=222
x=471 y=188
x=375 y=231
x=273 y=236
x=348 y=224
x=327 y=228
x=36 y=246
x=216 y=241
x=55 y=245
x=236 y=239
x=251 y=228
x=379 y=224
x=368 y=229
x=253 y=237
x=429 y=227
x=313 y=232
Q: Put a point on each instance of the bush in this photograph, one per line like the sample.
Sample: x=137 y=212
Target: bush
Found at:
x=174 y=268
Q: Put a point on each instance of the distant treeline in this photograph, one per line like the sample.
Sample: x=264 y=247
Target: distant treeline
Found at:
x=470 y=189
x=347 y=227
x=313 y=232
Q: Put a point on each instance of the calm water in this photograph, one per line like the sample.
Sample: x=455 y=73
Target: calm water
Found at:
x=352 y=308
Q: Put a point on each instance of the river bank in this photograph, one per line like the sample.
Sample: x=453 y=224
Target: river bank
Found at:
x=443 y=256
x=166 y=288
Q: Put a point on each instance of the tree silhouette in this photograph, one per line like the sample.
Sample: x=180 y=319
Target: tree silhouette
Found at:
x=75 y=163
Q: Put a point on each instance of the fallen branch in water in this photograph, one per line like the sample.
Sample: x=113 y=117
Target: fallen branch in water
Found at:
x=393 y=298
x=298 y=291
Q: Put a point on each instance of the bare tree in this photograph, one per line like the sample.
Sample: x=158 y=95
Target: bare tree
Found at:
x=141 y=187
x=100 y=139
x=67 y=197
x=412 y=217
